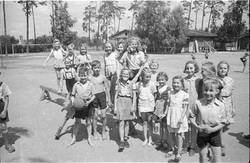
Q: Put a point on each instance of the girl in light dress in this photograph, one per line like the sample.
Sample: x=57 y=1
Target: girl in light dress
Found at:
x=177 y=115
x=226 y=95
x=124 y=106
x=191 y=86
x=58 y=53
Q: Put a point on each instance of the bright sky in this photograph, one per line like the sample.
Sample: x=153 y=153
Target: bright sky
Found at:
x=16 y=21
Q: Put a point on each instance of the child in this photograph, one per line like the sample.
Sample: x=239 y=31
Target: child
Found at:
x=82 y=98
x=191 y=86
x=146 y=103
x=70 y=57
x=102 y=95
x=154 y=66
x=226 y=93
x=161 y=106
x=124 y=107
x=83 y=57
x=133 y=59
x=177 y=115
x=119 y=51
x=4 y=117
x=59 y=54
x=208 y=118
x=69 y=75
x=110 y=67
x=244 y=61
x=208 y=71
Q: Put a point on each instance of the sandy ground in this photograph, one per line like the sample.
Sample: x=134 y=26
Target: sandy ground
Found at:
x=33 y=123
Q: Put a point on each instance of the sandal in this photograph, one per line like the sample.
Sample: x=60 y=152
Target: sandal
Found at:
x=169 y=154
x=178 y=157
x=10 y=148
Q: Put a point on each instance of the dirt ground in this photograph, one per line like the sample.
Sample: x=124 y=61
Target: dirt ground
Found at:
x=33 y=123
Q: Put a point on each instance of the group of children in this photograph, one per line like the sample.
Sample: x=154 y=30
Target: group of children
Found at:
x=192 y=113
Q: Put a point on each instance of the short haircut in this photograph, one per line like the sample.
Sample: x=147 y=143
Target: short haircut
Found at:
x=196 y=67
x=164 y=74
x=223 y=62
x=83 y=68
x=179 y=77
x=209 y=67
x=124 y=69
x=95 y=63
x=145 y=71
x=153 y=62
x=213 y=81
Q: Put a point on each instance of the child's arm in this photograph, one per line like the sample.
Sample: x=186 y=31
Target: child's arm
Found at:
x=47 y=59
x=115 y=107
x=207 y=129
x=6 y=105
x=90 y=100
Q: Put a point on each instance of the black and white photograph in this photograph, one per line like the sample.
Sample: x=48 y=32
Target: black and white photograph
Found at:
x=124 y=81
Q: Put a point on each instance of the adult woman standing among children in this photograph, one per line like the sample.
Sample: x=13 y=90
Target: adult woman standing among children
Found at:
x=177 y=115
x=124 y=106
x=58 y=53
x=191 y=86
x=226 y=94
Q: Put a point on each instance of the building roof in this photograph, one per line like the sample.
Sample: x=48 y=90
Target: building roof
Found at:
x=195 y=33
x=119 y=33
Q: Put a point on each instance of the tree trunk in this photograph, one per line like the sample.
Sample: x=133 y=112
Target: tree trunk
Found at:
x=34 y=23
x=89 y=25
x=98 y=31
x=5 y=28
x=189 y=13
x=132 y=25
x=27 y=27
x=114 y=25
x=196 y=14
x=119 y=21
x=203 y=14
x=209 y=19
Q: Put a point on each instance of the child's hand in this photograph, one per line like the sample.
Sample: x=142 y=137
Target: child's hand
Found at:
x=208 y=130
x=179 y=124
x=3 y=114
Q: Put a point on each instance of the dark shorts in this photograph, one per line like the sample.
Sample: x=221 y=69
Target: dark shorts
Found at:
x=147 y=116
x=85 y=112
x=69 y=84
x=213 y=139
x=6 y=119
x=100 y=100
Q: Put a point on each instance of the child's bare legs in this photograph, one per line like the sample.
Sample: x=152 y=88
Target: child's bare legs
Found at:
x=150 y=132
x=8 y=146
x=75 y=130
x=216 y=154
x=94 y=122
x=179 y=144
x=59 y=80
x=121 y=130
x=145 y=132
x=89 y=129
x=104 y=123
x=193 y=138
x=203 y=154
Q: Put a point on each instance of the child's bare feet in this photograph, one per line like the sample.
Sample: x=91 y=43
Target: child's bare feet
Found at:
x=145 y=142
x=73 y=141
x=90 y=142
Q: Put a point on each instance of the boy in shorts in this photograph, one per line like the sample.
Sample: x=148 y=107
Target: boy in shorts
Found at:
x=4 y=118
x=209 y=118
x=102 y=95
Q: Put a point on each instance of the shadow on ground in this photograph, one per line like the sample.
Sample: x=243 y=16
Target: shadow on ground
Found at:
x=240 y=138
x=15 y=133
